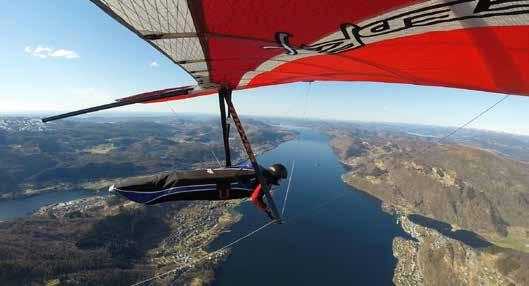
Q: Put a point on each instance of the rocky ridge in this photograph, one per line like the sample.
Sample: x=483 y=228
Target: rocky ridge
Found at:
x=105 y=240
x=470 y=188
x=434 y=259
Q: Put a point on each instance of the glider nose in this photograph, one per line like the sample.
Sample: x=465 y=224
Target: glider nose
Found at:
x=112 y=189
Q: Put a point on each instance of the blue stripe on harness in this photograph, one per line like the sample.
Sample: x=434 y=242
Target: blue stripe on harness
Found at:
x=146 y=197
x=243 y=165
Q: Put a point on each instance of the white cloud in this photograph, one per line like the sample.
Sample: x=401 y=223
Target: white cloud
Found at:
x=39 y=51
x=44 y=52
x=155 y=64
x=64 y=53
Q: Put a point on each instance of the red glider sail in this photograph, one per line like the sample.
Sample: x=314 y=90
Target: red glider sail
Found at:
x=472 y=44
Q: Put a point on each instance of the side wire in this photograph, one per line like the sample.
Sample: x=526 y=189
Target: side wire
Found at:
x=175 y=114
x=473 y=119
x=308 y=101
x=205 y=256
x=288 y=187
x=476 y=117
x=216 y=159
x=313 y=211
x=170 y=107
x=236 y=241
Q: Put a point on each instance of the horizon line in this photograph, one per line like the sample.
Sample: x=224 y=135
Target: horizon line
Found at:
x=103 y=114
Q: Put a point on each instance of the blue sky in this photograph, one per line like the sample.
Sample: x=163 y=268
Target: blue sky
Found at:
x=63 y=55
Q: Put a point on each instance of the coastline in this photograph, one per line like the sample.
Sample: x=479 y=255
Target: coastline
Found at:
x=439 y=253
x=182 y=248
x=102 y=184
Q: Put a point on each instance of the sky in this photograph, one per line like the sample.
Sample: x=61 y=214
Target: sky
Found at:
x=61 y=55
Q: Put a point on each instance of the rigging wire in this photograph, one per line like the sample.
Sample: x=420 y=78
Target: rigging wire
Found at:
x=233 y=243
x=170 y=107
x=308 y=101
x=216 y=159
x=476 y=117
x=207 y=255
x=288 y=187
x=175 y=114
x=244 y=237
x=211 y=150
x=473 y=119
x=313 y=211
x=236 y=241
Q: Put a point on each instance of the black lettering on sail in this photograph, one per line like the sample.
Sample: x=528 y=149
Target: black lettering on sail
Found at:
x=380 y=26
x=426 y=19
x=503 y=7
x=349 y=41
x=443 y=12
x=483 y=5
x=283 y=39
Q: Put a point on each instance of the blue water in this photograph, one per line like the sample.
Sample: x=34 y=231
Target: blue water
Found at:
x=345 y=242
x=12 y=209
x=332 y=233
x=469 y=238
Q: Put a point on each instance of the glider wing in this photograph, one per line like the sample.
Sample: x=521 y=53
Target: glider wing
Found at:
x=472 y=44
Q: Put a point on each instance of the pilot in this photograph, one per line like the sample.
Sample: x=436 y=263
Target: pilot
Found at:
x=227 y=183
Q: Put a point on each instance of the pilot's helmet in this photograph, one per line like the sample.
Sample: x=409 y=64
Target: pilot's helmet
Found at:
x=278 y=172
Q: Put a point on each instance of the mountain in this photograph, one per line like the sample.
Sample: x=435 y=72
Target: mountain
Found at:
x=435 y=259
x=87 y=153
x=107 y=240
x=508 y=145
x=475 y=190
x=470 y=188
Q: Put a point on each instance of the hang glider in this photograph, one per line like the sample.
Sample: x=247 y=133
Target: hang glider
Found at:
x=472 y=44
x=239 y=44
